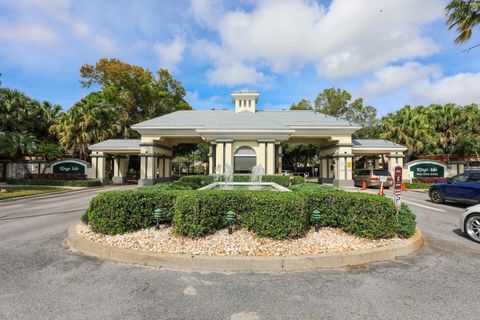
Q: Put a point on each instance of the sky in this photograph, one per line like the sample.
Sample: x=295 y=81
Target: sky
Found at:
x=389 y=52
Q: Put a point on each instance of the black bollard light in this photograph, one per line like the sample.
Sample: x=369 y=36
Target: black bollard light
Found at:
x=316 y=219
x=158 y=216
x=230 y=221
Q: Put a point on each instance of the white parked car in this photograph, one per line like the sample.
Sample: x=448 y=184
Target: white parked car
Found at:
x=470 y=222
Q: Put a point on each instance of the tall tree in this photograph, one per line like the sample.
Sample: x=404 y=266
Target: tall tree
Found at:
x=333 y=102
x=16 y=145
x=303 y=104
x=136 y=92
x=91 y=120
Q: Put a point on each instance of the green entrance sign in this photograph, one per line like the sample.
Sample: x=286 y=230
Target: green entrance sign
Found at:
x=427 y=170
x=68 y=167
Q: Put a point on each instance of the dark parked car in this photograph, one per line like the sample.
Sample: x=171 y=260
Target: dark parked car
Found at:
x=464 y=188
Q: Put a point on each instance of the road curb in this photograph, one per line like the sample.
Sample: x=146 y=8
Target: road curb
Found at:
x=243 y=263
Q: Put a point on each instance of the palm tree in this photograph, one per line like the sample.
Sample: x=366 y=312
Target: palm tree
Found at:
x=16 y=146
x=463 y=15
x=12 y=110
x=89 y=121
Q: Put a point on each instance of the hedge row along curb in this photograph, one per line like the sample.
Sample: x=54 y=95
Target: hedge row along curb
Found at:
x=242 y=263
x=277 y=215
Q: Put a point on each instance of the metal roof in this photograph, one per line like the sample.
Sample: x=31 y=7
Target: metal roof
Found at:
x=228 y=119
x=116 y=144
x=375 y=143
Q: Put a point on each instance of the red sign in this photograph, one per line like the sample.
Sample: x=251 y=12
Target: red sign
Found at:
x=398 y=187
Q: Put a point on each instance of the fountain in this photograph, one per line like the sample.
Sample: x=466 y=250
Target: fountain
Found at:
x=224 y=181
x=217 y=176
x=228 y=176
x=256 y=178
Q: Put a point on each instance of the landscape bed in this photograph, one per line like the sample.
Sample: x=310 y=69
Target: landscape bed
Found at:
x=276 y=215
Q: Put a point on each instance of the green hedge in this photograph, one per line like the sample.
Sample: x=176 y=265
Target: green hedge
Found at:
x=417 y=185
x=202 y=212
x=176 y=185
x=277 y=215
x=364 y=215
x=312 y=187
x=52 y=182
x=199 y=181
x=406 y=222
x=285 y=181
x=117 y=212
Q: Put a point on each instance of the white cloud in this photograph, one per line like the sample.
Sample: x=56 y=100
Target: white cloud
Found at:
x=170 y=54
x=29 y=34
x=392 y=78
x=207 y=12
x=236 y=74
x=347 y=38
x=197 y=102
x=461 y=88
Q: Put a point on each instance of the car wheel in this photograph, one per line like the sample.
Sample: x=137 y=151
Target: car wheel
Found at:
x=472 y=226
x=436 y=196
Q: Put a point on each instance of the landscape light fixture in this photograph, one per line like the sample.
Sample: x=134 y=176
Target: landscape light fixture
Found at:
x=230 y=221
x=316 y=219
x=158 y=216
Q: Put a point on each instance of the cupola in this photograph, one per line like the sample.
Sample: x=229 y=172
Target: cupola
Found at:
x=245 y=100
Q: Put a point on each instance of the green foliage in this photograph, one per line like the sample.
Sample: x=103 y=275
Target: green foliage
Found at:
x=434 y=129
x=406 y=222
x=364 y=215
x=137 y=94
x=463 y=16
x=53 y=182
x=203 y=212
x=198 y=181
x=417 y=185
x=176 y=185
x=303 y=104
x=15 y=145
x=312 y=187
x=117 y=212
x=278 y=215
x=20 y=113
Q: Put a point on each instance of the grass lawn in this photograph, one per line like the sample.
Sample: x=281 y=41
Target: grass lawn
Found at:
x=22 y=191
x=417 y=185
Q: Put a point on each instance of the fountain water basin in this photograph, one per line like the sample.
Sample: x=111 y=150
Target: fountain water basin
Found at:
x=263 y=186
x=255 y=181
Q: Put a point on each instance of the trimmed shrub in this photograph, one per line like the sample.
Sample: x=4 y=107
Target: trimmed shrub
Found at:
x=199 y=181
x=177 y=185
x=312 y=187
x=406 y=222
x=56 y=176
x=203 y=212
x=285 y=181
x=117 y=212
x=417 y=185
x=428 y=180
x=364 y=215
x=53 y=182
x=278 y=215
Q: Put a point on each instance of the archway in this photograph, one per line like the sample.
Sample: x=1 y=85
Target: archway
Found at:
x=245 y=159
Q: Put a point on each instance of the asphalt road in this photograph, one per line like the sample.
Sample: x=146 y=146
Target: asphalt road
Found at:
x=41 y=279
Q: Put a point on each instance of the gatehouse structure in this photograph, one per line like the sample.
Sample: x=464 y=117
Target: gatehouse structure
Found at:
x=243 y=137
